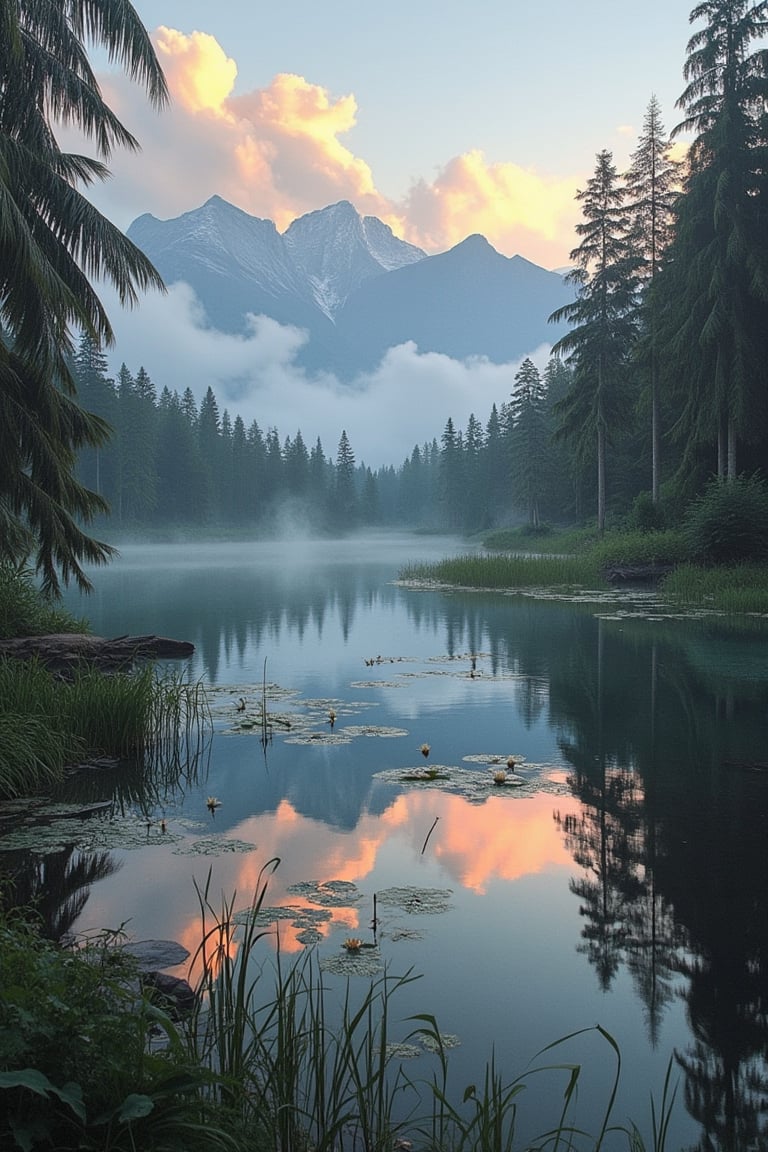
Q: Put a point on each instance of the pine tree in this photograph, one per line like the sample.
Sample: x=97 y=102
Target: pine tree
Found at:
x=345 y=497
x=603 y=318
x=651 y=189
x=529 y=439
x=451 y=476
x=714 y=286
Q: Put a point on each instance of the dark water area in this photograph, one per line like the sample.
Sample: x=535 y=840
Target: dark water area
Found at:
x=625 y=883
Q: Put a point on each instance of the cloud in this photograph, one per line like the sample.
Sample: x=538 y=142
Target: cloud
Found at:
x=405 y=401
x=516 y=209
x=278 y=152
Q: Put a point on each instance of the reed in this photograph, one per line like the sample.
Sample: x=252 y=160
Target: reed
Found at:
x=291 y=1079
x=158 y=720
x=738 y=589
x=506 y=572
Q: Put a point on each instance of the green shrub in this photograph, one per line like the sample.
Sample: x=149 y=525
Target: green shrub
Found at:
x=728 y=522
x=77 y=1068
x=630 y=548
x=645 y=516
x=24 y=611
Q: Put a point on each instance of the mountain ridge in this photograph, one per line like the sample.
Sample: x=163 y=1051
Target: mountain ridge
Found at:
x=353 y=286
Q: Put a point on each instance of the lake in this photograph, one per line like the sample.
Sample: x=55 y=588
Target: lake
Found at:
x=618 y=876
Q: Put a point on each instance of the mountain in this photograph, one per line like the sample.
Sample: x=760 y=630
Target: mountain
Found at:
x=353 y=286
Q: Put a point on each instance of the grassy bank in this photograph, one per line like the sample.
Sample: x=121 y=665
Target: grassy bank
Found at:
x=270 y=1059
x=520 y=560
x=505 y=571
x=48 y=722
x=738 y=589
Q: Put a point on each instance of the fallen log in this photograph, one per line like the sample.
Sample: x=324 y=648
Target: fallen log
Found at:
x=64 y=650
x=636 y=573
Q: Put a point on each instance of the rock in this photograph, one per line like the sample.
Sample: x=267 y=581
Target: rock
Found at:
x=172 y=993
x=62 y=651
x=152 y=954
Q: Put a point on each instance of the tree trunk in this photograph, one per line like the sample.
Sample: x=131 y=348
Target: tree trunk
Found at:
x=731 y=449
x=600 y=475
x=655 y=438
x=721 y=448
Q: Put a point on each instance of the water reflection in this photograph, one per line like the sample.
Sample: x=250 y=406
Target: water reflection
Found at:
x=55 y=886
x=658 y=723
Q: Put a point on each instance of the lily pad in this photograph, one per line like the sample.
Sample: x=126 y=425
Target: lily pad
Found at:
x=417 y=901
x=327 y=893
x=213 y=846
x=432 y=1044
x=364 y=962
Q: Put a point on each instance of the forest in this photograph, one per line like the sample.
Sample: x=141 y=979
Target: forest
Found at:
x=659 y=384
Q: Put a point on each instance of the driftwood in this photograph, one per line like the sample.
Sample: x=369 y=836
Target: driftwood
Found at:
x=62 y=651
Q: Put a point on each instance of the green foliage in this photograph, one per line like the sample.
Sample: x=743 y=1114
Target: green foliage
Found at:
x=739 y=589
x=80 y=1065
x=646 y=515
x=25 y=612
x=546 y=539
x=507 y=572
x=632 y=548
x=728 y=522
x=47 y=723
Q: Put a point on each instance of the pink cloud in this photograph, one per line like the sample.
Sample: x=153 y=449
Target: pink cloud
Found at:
x=278 y=152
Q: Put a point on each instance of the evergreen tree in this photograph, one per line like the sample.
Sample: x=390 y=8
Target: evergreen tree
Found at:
x=345 y=498
x=476 y=513
x=714 y=287
x=494 y=468
x=451 y=476
x=651 y=189
x=209 y=444
x=603 y=318
x=97 y=465
x=137 y=428
x=529 y=439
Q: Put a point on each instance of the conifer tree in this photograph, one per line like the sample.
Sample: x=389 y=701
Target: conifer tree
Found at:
x=651 y=184
x=603 y=318
x=345 y=497
x=529 y=439
x=714 y=287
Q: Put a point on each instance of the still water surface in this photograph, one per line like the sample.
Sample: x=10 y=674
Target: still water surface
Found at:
x=626 y=884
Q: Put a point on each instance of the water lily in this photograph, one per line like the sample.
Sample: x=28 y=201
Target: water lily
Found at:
x=500 y=776
x=213 y=802
x=331 y=717
x=352 y=944
x=425 y=749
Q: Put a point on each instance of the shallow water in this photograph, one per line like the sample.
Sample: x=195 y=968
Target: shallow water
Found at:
x=623 y=882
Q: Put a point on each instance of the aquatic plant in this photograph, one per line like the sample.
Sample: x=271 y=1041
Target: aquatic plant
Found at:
x=157 y=719
x=507 y=572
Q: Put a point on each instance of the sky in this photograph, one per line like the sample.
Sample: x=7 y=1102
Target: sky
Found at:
x=441 y=119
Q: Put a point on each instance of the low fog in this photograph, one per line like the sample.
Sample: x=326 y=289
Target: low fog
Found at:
x=406 y=401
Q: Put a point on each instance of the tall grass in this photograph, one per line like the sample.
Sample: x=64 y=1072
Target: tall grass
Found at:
x=296 y=1070
x=737 y=589
x=47 y=723
x=505 y=572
